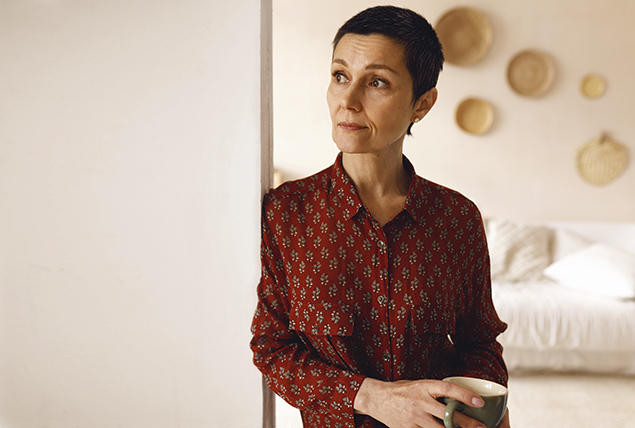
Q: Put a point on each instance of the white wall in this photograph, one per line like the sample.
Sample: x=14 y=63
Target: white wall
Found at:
x=130 y=180
x=523 y=168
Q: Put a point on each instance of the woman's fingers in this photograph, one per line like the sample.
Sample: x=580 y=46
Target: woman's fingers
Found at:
x=446 y=389
x=466 y=422
x=413 y=403
x=465 y=396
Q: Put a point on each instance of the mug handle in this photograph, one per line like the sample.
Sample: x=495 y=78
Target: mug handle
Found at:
x=448 y=419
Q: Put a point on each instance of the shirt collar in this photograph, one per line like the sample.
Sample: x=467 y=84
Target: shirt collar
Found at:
x=345 y=194
x=414 y=202
x=347 y=198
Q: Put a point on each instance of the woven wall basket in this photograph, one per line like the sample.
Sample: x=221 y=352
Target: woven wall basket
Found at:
x=601 y=161
x=475 y=116
x=592 y=86
x=531 y=73
x=465 y=34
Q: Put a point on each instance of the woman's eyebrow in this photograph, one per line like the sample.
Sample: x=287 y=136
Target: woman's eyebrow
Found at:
x=380 y=67
x=369 y=66
x=340 y=61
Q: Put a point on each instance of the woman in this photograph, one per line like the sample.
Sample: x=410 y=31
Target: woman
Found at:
x=375 y=282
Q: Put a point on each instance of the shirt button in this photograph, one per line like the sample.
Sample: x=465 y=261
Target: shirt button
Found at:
x=382 y=299
x=381 y=244
x=386 y=357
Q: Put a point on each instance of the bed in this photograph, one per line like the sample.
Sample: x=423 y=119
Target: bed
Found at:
x=567 y=292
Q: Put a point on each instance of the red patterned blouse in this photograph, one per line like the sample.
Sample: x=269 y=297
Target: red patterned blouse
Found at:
x=342 y=298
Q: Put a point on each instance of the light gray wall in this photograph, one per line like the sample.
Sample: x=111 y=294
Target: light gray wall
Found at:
x=130 y=180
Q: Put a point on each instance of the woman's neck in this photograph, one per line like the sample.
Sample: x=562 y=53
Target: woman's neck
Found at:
x=381 y=181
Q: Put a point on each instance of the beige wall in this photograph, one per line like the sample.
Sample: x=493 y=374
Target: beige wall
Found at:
x=130 y=180
x=523 y=168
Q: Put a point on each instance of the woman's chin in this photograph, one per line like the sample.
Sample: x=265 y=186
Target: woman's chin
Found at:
x=353 y=150
x=351 y=145
x=364 y=148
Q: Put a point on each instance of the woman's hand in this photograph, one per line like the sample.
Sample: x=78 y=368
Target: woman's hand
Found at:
x=413 y=403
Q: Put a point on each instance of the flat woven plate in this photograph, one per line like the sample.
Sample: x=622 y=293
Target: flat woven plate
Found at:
x=475 y=116
x=592 y=86
x=465 y=34
x=601 y=161
x=531 y=73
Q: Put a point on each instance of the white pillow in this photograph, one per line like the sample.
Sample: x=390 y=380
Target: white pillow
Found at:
x=566 y=242
x=599 y=269
x=518 y=251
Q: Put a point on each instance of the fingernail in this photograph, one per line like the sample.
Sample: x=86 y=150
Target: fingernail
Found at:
x=478 y=402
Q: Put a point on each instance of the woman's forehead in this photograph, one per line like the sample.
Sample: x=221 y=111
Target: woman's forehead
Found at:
x=374 y=50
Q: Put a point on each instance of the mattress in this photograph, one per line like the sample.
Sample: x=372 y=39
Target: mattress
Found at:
x=551 y=327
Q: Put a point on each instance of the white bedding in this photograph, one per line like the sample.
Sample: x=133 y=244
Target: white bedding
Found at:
x=551 y=327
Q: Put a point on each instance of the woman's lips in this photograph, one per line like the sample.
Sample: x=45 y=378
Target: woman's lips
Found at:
x=350 y=126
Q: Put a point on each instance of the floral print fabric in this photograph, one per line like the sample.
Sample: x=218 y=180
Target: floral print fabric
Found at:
x=342 y=298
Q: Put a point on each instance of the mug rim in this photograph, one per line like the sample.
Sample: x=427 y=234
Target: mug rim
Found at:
x=502 y=390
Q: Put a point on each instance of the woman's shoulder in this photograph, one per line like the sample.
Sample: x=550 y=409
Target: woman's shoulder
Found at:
x=440 y=204
x=442 y=194
x=433 y=201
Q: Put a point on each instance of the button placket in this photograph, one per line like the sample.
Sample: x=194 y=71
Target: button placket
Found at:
x=382 y=245
x=384 y=298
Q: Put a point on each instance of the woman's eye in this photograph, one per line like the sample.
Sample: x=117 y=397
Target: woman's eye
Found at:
x=378 y=83
x=339 y=77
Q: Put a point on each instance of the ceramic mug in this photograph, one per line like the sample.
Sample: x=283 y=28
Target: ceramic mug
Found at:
x=493 y=394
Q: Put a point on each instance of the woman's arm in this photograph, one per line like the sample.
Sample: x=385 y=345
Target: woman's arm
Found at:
x=289 y=367
x=478 y=326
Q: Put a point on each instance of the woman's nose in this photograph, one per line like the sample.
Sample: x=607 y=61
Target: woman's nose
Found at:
x=351 y=98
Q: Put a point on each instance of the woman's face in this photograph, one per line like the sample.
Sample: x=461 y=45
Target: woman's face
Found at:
x=370 y=95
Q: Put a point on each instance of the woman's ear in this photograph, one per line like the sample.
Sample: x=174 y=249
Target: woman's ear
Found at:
x=425 y=103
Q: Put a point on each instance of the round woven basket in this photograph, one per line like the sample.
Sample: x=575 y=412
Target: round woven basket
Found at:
x=475 y=116
x=601 y=161
x=531 y=73
x=592 y=86
x=465 y=34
